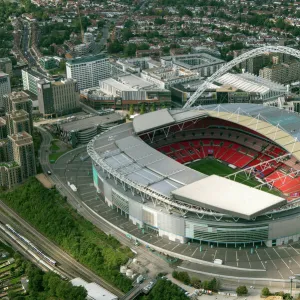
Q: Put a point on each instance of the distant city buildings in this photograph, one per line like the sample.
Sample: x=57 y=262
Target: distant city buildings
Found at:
x=88 y=70
x=56 y=98
x=5 y=87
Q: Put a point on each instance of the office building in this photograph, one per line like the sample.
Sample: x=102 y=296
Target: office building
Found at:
x=18 y=121
x=21 y=151
x=4 y=86
x=17 y=101
x=88 y=70
x=6 y=66
x=58 y=98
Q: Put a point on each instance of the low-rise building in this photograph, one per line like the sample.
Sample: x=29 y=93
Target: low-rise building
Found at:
x=48 y=62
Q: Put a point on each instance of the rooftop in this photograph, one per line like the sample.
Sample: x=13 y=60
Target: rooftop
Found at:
x=85 y=59
x=231 y=197
x=95 y=291
x=90 y=122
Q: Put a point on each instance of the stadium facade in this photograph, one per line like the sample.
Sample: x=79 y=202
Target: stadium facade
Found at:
x=141 y=169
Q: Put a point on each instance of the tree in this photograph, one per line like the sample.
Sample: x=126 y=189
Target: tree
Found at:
x=153 y=108
x=130 y=49
x=131 y=110
x=196 y=283
x=265 y=292
x=241 y=290
x=142 y=109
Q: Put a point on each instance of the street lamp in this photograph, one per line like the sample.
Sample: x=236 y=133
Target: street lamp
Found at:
x=291 y=279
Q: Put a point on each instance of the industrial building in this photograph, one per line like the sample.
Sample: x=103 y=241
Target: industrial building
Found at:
x=5 y=87
x=88 y=70
x=57 y=98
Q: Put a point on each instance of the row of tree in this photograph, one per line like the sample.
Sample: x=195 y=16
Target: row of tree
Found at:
x=49 y=213
x=212 y=285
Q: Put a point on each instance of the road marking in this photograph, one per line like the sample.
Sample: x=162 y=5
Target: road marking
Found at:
x=260 y=259
x=88 y=193
x=204 y=254
x=248 y=259
x=295 y=249
x=194 y=252
x=215 y=254
x=175 y=247
x=273 y=263
x=283 y=261
x=185 y=249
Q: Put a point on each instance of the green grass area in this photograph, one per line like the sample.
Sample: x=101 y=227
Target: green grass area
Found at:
x=54 y=146
x=53 y=157
x=213 y=166
x=49 y=213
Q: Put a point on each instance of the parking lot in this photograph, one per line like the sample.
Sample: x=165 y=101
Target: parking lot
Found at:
x=276 y=262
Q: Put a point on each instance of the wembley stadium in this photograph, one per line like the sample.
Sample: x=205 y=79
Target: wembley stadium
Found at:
x=224 y=174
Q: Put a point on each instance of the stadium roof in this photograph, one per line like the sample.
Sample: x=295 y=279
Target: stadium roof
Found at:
x=250 y=83
x=229 y=197
x=147 y=167
x=153 y=120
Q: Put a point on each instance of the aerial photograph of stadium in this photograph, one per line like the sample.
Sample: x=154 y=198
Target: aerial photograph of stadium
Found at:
x=149 y=150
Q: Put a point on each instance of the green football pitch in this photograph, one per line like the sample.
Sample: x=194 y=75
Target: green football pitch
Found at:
x=212 y=166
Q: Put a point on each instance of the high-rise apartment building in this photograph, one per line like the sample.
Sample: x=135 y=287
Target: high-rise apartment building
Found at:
x=58 y=97
x=30 y=79
x=18 y=121
x=21 y=151
x=282 y=73
x=17 y=101
x=6 y=66
x=4 y=86
x=3 y=129
x=88 y=70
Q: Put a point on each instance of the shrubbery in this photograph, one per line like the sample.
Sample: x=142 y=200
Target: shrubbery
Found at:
x=48 y=211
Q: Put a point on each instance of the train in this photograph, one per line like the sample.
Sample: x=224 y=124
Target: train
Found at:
x=32 y=246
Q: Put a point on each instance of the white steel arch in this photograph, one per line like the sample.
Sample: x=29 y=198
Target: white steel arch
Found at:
x=236 y=61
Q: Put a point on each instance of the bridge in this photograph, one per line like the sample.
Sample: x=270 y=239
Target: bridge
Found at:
x=224 y=69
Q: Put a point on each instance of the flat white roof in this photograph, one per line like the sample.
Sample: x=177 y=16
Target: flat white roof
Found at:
x=95 y=291
x=152 y=120
x=228 y=196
